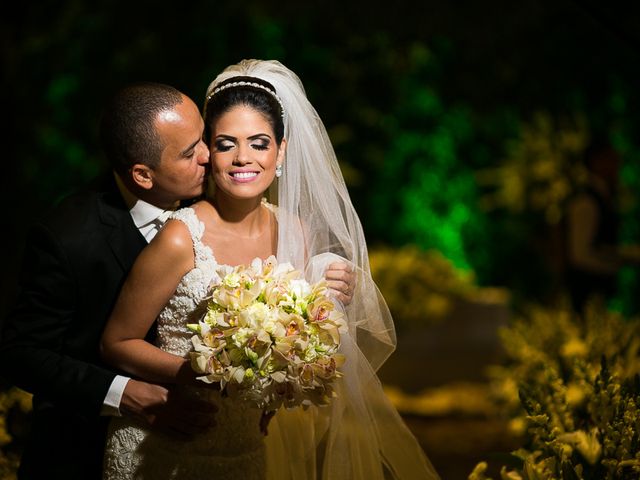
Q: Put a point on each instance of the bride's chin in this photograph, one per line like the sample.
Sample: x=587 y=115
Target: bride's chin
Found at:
x=235 y=196
x=246 y=191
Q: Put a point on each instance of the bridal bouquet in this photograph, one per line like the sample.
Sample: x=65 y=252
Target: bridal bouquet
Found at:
x=269 y=337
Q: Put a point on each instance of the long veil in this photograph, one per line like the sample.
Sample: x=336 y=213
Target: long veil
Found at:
x=360 y=435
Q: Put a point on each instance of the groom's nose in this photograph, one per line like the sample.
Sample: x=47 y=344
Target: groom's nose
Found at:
x=202 y=152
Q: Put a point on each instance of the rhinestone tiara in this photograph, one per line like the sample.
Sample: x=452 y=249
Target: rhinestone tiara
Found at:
x=247 y=84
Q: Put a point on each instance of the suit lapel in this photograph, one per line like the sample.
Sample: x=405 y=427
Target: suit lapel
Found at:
x=124 y=239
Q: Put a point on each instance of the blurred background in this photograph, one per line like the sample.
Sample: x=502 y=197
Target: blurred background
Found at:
x=460 y=128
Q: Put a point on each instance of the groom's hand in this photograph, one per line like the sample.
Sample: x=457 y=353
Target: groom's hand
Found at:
x=264 y=421
x=341 y=280
x=159 y=407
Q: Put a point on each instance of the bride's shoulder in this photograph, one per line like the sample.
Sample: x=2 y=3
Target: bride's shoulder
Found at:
x=285 y=218
x=192 y=217
x=173 y=239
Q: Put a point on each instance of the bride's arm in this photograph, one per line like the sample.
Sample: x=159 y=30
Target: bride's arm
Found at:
x=151 y=282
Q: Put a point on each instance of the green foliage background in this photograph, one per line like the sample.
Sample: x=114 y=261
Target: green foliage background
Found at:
x=417 y=99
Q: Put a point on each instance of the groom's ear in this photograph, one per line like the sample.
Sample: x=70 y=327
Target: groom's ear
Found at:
x=141 y=176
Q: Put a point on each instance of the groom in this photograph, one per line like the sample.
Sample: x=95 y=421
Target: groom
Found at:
x=75 y=262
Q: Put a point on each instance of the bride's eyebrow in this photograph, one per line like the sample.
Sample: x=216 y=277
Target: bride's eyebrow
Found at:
x=259 y=136
x=222 y=136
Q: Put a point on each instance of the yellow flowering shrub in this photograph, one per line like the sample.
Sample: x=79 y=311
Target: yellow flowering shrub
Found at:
x=541 y=167
x=421 y=287
x=571 y=389
x=454 y=398
x=12 y=400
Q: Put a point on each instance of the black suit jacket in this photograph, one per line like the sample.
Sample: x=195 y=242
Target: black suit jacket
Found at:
x=75 y=262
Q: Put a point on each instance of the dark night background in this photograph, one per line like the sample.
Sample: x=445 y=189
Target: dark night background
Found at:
x=417 y=99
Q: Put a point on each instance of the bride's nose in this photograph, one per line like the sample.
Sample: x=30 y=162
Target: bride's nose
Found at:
x=243 y=155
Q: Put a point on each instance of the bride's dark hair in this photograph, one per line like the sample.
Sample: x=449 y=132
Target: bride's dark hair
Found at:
x=244 y=90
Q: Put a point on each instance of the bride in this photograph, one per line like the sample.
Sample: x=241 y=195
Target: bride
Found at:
x=278 y=190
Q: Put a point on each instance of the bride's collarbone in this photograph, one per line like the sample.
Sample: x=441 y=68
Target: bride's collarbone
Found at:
x=234 y=250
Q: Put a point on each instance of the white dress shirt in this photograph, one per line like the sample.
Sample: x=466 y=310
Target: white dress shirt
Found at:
x=149 y=219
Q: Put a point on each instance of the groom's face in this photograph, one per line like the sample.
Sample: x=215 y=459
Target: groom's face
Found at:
x=185 y=157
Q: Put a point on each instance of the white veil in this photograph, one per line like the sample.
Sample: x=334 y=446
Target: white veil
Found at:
x=361 y=435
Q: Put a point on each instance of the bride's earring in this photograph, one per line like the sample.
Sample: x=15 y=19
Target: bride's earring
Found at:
x=279 y=170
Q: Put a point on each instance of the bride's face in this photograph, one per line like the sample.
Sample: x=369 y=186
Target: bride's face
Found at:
x=244 y=153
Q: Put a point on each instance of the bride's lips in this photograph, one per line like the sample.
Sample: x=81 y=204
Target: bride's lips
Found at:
x=243 y=176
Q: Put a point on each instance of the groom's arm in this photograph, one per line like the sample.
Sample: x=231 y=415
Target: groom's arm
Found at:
x=167 y=410
x=50 y=347
x=44 y=349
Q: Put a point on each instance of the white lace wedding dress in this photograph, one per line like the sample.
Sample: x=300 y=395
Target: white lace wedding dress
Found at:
x=234 y=448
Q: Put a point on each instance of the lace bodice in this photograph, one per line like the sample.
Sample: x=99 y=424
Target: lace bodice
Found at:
x=188 y=302
x=234 y=448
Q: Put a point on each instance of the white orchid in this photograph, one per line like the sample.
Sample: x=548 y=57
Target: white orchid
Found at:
x=269 y=336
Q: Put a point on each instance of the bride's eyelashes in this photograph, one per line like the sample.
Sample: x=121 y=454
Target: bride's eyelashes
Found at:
x=224 y=145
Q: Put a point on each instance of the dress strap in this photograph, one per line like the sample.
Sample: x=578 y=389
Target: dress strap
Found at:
x=270 y=206
x=188 y=216
x=202 y=252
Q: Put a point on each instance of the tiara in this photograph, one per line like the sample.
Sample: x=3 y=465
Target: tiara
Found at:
x=247 y=84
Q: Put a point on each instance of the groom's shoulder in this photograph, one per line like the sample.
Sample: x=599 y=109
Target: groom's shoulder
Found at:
x=82 y=199
x=80 y=208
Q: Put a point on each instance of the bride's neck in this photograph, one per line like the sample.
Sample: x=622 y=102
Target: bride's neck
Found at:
x=244 y=217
